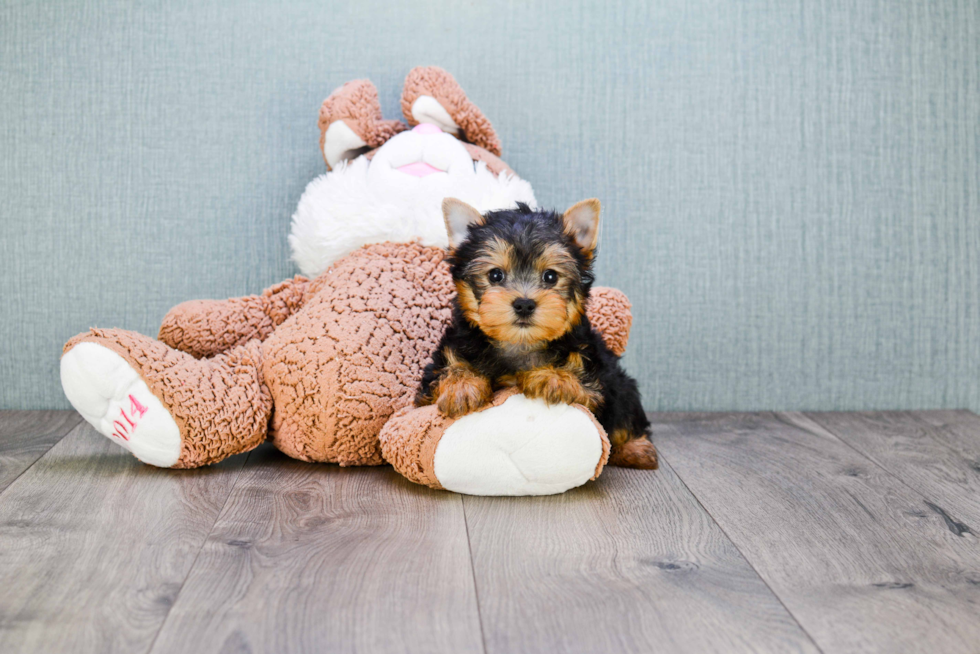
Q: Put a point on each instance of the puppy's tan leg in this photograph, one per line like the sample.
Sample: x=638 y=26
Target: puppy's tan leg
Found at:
x=558 y=386
x=632 y=451
x=460 y=389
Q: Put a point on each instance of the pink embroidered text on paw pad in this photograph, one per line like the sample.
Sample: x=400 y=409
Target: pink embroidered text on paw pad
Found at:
x=115 y=400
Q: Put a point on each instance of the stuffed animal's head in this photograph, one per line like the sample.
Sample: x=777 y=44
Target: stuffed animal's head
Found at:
x=387 y=179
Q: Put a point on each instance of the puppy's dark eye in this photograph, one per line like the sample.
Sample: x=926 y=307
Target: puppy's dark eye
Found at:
x=549 y=277
x=496 y=276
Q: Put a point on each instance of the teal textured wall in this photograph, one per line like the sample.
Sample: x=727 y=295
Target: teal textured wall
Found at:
x=792 y=190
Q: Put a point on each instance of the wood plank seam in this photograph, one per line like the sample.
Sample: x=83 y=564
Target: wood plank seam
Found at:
x=114 y=539
x=945 y=429
x=351 y=559
x=914 y=415
x=791 y=492
x=74 y=424
x=664 y=462
x=476 y=587
x=204 y=542
x=629 y=563
x=955 y=526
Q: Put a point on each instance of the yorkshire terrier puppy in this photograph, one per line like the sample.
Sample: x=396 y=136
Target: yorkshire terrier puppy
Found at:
x=522 y=280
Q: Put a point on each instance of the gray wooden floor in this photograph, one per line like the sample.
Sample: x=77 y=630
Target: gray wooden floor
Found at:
x=761 y=532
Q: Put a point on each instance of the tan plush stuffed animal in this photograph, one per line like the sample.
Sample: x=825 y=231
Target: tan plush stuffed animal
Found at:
x=320 y=364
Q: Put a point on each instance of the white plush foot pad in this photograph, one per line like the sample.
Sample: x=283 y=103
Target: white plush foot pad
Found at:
x=522 y=447
x=114 y=399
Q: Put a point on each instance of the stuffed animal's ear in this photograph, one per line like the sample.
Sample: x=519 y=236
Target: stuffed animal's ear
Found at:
x=351 y=123
x=340 y=143
x=431 y=95
x=460 y=218
x=582 y=224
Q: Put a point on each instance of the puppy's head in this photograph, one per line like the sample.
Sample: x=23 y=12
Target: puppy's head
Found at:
x=522 y=276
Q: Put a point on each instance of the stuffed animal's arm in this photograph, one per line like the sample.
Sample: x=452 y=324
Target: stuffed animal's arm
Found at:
x=609 y=313
x=204 y=328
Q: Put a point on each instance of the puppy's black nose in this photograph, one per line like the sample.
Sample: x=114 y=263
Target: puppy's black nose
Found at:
x=524 y=307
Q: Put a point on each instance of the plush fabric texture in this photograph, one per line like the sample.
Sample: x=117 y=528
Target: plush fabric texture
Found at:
x=355 y=353
x=356 y=103
x=371 y=200
x=204 y=328
x=410 y=439
x=609 y=312
x=348 y=207
x=442 y=86
x=221 y=405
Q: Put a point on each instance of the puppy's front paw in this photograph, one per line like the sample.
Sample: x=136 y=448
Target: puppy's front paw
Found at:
x=462 y=394
x=556 y=386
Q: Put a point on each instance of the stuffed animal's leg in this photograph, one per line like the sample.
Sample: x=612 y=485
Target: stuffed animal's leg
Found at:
x=166 y=407
x=513 y=446
x=204 y=328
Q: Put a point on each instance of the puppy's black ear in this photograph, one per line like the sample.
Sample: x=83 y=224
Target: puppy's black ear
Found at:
x=460 y=218
x=582 y=224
